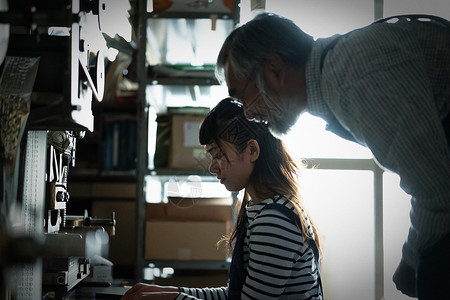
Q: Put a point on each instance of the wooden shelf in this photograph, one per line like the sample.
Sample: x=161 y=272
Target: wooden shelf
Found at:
x=191 y=265
x=181 y=81
x=190 y=15
x=178 y=172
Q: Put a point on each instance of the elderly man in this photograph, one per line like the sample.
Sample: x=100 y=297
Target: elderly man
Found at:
x=385 y=86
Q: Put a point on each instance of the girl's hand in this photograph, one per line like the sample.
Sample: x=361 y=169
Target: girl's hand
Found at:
x=150 y=291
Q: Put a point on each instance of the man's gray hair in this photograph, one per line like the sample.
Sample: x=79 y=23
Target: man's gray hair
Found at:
x=248 y=46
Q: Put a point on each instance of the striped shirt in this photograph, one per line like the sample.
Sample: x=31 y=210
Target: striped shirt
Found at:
x=387 y=86
x=279 y=262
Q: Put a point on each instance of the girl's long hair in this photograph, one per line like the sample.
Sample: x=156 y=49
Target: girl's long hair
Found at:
x=275 y=169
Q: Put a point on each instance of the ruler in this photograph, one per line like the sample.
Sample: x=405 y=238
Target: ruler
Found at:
x=29 y=276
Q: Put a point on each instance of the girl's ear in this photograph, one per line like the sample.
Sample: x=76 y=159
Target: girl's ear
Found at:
x=253 y=149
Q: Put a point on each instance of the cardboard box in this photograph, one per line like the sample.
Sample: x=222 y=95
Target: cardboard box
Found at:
x=184 y=240
x=187 y=229
x=185 y=149
x=191 y=209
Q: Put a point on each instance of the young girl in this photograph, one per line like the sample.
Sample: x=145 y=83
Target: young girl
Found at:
x=275 y=249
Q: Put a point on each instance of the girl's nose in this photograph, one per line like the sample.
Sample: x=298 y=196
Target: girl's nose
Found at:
x=213 y=167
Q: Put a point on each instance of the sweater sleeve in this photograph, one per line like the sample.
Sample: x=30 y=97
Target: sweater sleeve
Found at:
x=219 y=293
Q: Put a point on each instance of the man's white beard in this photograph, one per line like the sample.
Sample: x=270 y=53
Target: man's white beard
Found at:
x=281 y=132
x=281 y=123
x=276 y=133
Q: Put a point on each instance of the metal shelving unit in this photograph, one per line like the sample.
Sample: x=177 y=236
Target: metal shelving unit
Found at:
x=142 y=170
x=142 y=133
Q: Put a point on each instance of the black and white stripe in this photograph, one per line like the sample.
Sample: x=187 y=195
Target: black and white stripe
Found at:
x=279 y=262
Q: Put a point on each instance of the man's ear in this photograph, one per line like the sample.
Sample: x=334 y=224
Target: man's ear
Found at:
x=274 y=70
x=253 y=149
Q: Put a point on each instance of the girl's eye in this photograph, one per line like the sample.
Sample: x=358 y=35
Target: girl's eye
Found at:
x=215 y=153
x=217 y=156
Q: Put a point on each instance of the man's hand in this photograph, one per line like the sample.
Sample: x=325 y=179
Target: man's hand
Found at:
x=405 y=279
x=144 y=291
